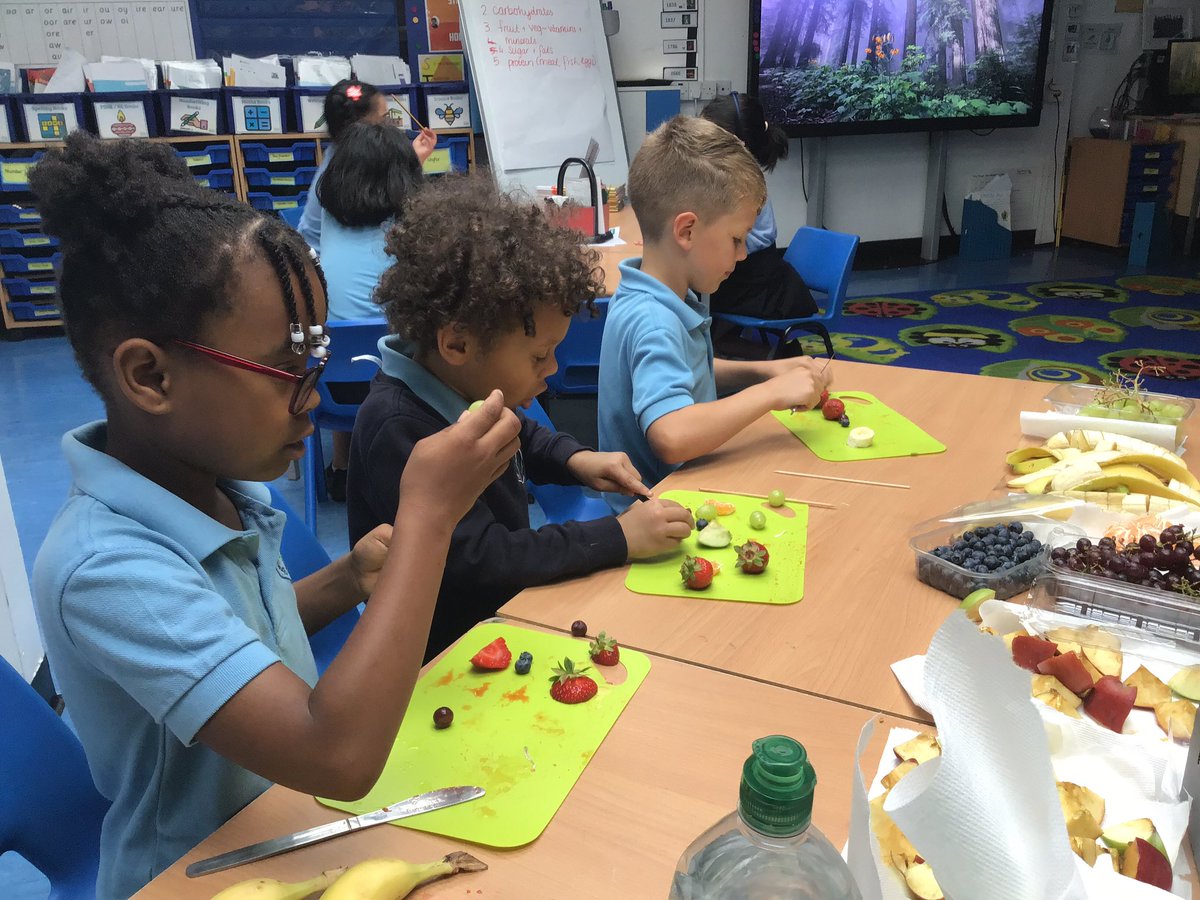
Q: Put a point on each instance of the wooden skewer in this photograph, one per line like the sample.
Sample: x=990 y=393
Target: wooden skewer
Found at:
x=400 y=103
x=764 y=497
x=847 y=480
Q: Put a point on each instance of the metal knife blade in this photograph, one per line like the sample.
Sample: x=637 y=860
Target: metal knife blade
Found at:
x=422 y=803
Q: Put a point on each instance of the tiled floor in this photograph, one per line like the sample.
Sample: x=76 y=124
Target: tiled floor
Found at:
x=43 y=396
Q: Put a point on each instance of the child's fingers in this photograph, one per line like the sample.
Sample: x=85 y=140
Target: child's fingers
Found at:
x=677 y=530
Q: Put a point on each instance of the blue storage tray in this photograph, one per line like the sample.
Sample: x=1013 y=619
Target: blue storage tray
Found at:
x=217 y=179
x=293 y=152
x=11 y=238
x=19 y=215
x=301 y=177
x=264 y=200
x=207 y=155
x=28 y=311
x=15 y=264
x=25 y=287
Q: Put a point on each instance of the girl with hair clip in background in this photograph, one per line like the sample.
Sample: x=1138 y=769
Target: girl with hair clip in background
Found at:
x=350 y=101
x=762 y=284
x=171 y=625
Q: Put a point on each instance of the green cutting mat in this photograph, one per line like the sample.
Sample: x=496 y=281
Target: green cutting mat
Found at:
x=785 y=537
x=497 y=715
x=894 y=434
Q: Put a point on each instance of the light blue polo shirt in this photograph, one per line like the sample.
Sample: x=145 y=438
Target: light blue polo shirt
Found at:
x=154 y=615
x=310 y=219
x=354 y=259
x=763 y=233
x=397 y=359
x=656 y=357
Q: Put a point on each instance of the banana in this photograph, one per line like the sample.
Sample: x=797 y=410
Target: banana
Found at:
x=391 y=879
x=272 y=889
x=1029 y=466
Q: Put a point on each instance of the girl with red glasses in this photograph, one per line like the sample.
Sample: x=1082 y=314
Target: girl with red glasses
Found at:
x=171 y=624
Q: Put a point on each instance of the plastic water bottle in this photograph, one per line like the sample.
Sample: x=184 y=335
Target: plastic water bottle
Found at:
x=768 y=847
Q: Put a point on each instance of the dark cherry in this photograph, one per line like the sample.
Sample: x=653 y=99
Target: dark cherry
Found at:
x=578 y=628
x=442 y=717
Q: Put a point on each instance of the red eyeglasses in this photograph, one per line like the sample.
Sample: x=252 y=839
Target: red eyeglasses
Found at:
x=305 y=384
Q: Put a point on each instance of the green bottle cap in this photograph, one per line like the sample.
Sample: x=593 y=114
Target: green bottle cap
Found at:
x=777 y=787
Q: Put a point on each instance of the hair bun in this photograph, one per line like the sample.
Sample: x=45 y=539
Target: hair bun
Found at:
x=93 y=189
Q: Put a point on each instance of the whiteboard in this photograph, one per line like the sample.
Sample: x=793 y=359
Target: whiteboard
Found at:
x=37 y=33
x=544 y=81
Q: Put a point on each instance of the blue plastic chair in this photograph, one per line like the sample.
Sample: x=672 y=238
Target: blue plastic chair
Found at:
x=564 y=502
x=50 y=810
x=823 y=259
x=303 y=555
x=348 y=340
x=578 y=355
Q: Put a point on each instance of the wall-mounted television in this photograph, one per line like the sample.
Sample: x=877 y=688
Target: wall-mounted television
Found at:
x=825 y=67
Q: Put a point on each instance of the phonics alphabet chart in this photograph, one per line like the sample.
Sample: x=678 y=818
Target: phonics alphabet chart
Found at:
x=38 y=33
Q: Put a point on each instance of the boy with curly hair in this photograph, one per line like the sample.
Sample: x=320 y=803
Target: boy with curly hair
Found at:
x=696 y=192
x=482 y=290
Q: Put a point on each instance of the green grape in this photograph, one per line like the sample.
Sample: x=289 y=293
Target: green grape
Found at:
x=706 y=511
x=758 y=520
x=776 y=498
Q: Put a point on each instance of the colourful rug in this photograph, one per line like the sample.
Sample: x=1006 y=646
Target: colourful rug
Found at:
x=1049 y=331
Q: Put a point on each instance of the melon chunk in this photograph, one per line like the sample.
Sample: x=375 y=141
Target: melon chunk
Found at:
x=1110 y=703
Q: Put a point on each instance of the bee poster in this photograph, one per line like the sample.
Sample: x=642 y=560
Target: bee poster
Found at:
x=448 y=111
x=441 y=24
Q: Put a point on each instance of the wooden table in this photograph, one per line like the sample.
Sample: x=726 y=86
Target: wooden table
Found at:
x=611 y=257
x=668 y=770
x=863 y=607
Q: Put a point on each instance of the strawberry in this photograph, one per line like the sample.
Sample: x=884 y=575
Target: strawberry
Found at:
x=824 y=397
x=752 y=558
x=570 y=685
x=604 y=651
x=494 y=656
x=833 y=409
x=697 y=572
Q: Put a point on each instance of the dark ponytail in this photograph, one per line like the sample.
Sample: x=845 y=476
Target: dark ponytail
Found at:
x=743 y=116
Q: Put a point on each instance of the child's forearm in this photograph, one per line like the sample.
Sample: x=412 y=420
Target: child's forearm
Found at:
x=703 y=427
x=327 y=593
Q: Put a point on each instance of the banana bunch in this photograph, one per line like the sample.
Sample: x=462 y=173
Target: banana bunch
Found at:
x=1112 y=470
x=375 y=879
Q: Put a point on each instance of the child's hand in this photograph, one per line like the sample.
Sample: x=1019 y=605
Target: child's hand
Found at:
x=368 y=556
x=800 y=386
x=654 y=527
x=611 y=472
x=447 y=471
x=424 y=143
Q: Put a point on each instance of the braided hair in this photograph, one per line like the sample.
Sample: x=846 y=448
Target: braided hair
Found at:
x=149 y=253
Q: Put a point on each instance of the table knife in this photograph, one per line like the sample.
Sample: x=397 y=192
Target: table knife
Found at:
x=422 y=803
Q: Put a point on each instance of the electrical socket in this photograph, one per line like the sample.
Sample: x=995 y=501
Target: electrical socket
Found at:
x=708 y=90
x=724 y=88
x=688 y=90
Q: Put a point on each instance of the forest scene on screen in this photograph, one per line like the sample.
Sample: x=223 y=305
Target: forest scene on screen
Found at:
x=823 y=62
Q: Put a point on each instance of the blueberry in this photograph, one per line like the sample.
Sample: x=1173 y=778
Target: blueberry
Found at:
x=989 y=540
x=1025 y=537
x=980 y=532
x=701 y=524
x=524 y=661
x=844 y=421
x=1016 y=527
x=991 y=561
x=1035 y=546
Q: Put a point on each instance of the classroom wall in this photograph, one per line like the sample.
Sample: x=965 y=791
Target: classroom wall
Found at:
x=20 y=641
x=875 y=184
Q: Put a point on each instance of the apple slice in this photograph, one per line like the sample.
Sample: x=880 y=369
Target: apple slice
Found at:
x=1119 y=837
x=1144 y=862
x=971 y=603
x=1091 y=670
x=919 y=749
x=1082 y=824
x=1069 y=670
x=1054 y=700
x=892 y=778
x=1110 y=702
x=921 y=882
x=1150 y=689
x=1186 y=682
x=896 y=849
x=1074 y=797
x=1176 y=718
x=1113 y=861
x=1012 y=636
x=1087 y=850
x=1108 y=662
x=1044 y=683
x=1028 y=651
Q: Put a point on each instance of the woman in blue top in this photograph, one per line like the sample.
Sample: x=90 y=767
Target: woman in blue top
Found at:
x=763 y=284
x=350 y=101
x=363 y=192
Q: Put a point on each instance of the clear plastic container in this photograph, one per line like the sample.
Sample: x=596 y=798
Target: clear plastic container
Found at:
x=1072 y=399
x=1034 y=515
x=768 y=848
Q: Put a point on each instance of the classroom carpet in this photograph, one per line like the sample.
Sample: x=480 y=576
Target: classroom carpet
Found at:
x=1052 y=331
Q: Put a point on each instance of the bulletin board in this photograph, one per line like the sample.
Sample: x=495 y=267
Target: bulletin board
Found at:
x=37 y=33
x=544 y=81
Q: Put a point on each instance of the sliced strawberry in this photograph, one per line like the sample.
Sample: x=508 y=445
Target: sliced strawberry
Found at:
x=752 y=558
x=833 y=409
x=494 y=656
x=697 y=572
x=824 y=398
x=570 y=685
x=604 y=651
